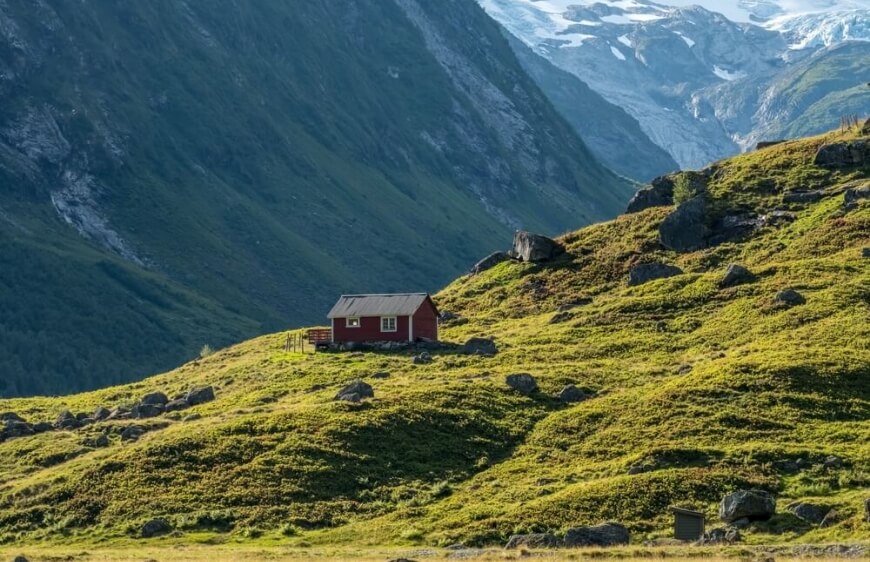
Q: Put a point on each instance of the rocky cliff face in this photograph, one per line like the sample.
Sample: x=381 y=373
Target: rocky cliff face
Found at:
x=191 y=172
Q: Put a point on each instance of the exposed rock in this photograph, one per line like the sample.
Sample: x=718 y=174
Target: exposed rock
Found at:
x=156 y=528
x=10 y=416
x=660 y=193
x=535 y=540
x=735 y=275
x=480 y=346
x=142 y=411
x=523 y=383
x=721 y=536
x=646 y=272
x=42 y=427
x=561 y=317
x=155 y=399
x=571 y=394
x=574 y=304
x=811 y=513
x=20 y=558
x=833 y=462
x=755 y=505
x=423 y=359
x=685 y=229
x=606 y=534
x=66 y=420
x=381 y=375
x=636 y=469
x=761 y=145
x=17 y=429
x=489 y=262
x=843 y=154
x=356 y=391
x=101 y=414
x=132 y=433
x=118 y=413
x=200 y=395
x=192 y=417
x=176 y=405
x=734 y=227
x=803 y=196
x=831 y=519
x=778 y=218
x=865 y=252
x=789 y=297
x=741 y=523
x=535 y=248
x=102 y=441
x=852 y=196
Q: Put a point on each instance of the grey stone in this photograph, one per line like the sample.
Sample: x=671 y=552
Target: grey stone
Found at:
x=176 y=405
x=10 y=416
x=735 y=275
x=20 y=558
x=789 y=297
x=480 y=346
x=523 y=383
x=118 y=413
x=755 y=505
x=561 y=317
x=761 y=145
x=685 y=229
x=843 y=154
x=831 y=519
x=852 y=196
x=660 y=193
x=571 y=394
x=489 y=262
x=132 y=433
x=535 y=248
x=200 y=395
x=534 y=540
x=803 y=196
x=356 y=391
x=606 y=534
x=381 y=375
x=423 y=358
x=741 y=523
x=155 y=399
x=17 y=429
x=865 y=252
x=42 y=427
x=66 y=420
x=811 y=513
x=101 y=441
x=833 y=462
x=101 y=414
x=646 y=272
x=721 y=536
x=192 y=417
x=142 y=411
x=156 y=528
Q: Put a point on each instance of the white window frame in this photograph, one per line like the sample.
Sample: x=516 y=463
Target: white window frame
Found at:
x=349 y=322
x=395 y=320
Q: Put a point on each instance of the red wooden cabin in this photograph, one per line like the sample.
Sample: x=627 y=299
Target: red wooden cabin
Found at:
x=404 y=317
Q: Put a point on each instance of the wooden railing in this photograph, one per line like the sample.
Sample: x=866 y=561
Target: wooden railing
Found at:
x=320 y=336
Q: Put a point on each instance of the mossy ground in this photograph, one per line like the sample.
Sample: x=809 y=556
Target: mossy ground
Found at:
x=713 y=387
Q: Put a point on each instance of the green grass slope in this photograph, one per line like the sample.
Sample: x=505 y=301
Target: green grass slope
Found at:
x=259 y=158
x=714 y=388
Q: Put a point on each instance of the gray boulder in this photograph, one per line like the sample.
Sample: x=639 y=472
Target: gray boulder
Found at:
x=803 y=196
x=534 y=540
x=833 y=462
x=735 y=275
x=571 y=394
x=423 y=358
x=685 y=229
x=42 y=427
x=852 y=196
x=831 y=519
x=489 y=262
x=865 y=252
x=789 y=297
x=66 y=420
x=17 y=429
x=535 y=248
x=143 y=411
x=20 y=558
x=755 y=505
x=523 y=383
x=356 y=391
x=843 y=154
x=811 y=513
x=176 y=405
x=761 y=145
x=101 y=414
x=721 y=536
x=200 y=395
x=660 y=193
x=646 y=272
x=480 y=346
x=132 y=433
x=155 y=399
x=10 y=416
x=606 y=534
x=156 y=528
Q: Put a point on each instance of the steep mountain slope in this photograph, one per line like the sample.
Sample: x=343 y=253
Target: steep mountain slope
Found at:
x=708 y=387
x=180 y=173
x=660 y=62
x=613 y=136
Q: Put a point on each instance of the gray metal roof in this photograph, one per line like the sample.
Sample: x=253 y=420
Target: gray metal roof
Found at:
x=399 y=304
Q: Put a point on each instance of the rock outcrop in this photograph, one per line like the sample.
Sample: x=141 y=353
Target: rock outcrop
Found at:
x=156 y=528
x=523 y=383
x=606 y=534
x=754 y=505
x=660 y=193
x=489 y=262
x=809 y=512
x=534 y=540
x=685 y=229
x=646 y=272
x=789 y=298
x=735 y=275
x=843 y=154
x=356 y=391
x=571 y=394
x=535 y=248
x=480 y=346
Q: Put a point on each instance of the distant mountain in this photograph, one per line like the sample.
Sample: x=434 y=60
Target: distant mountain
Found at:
x=176 y=173
x=660 y=62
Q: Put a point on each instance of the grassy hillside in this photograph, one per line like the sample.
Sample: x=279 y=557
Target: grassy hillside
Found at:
x=712 y=388
x=254 y=159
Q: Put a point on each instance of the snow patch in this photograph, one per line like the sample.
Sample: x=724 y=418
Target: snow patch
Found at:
x=688 y=41
x=726 y=75
x=617 y=53
x=625 y=41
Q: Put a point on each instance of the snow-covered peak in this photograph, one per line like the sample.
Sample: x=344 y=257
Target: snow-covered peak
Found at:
x=815 y=30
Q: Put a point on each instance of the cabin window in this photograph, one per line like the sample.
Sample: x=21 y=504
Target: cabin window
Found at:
x=353 y=323
x=388 y=324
